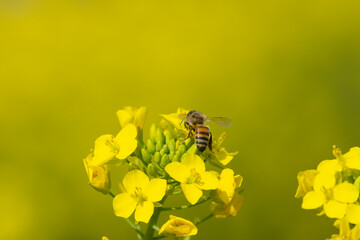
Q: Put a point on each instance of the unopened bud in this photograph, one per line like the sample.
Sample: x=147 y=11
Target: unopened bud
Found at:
x=157 y=157
x=146 y=156
x=159 y=146
x=159 y=137
x=152 y=132
x=164 y=160
x=151 y=170
x=150 y=146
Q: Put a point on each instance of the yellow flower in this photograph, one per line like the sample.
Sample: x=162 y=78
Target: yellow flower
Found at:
x=333 y=198
x=99 y=176
x=121 y=146
x=227 y=185
x=352 y=158
x=306 y=182
x=220 y=153
x=132 y=115
x=179 y=226
x=227 y=210
x=139 y=196
x=192 y=176
x=345 y=233
x=176 y=118
x=104 y=238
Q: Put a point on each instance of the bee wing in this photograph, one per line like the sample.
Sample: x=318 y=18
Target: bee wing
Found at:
x=222 y=121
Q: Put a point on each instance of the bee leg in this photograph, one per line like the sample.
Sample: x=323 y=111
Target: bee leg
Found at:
x=210 y=142
x=189 y=134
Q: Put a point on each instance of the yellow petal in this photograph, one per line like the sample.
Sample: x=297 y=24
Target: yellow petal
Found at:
x=223 y=156
x=175 y=119
x=124 y=117
x=105 y=149
x=126 y=141
x=324 y=180
x=352 y=158
x=135 y=179
x=353 y=213
x=156 y=189
x=104 y=238
x=208 y=181
x=313 y=199
x=335 y=209
x=144 y=211
x=191 y=192
x=124 y=205
x=194 y=162
x=306 y=182
x=178 y=226
x=140 y=117
x=238 y=181
x=178 y=171
x=346 y=192
x=226 y=187
x=330 y=166
x=227 y=210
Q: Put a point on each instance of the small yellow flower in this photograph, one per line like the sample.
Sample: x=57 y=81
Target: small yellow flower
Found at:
x=121 y=146
x=334 y=198
x=179 y=226
x=227 y=185
x=220 y=153
x=104 y=238
x=306 y=182
x=99 y=176
x=175 y=118
x=132 y=115
x=139 y=196
x=229 y=209
x=345 y=233
x=352 y=158
x=192 y=176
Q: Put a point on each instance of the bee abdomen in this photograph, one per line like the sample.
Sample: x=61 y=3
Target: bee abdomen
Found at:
x=202 y=137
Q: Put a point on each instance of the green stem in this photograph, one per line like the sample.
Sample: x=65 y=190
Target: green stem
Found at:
x=132 y=225
x=150 y=230
x=204 y=219
x=185 y=206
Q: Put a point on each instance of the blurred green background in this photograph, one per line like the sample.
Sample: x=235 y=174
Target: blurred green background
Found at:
x=286 y=72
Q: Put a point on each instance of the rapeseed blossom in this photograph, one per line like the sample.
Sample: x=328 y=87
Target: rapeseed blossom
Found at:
x=179 y=227
x=192 y=176
x=334 y=189
x=161 y=166
x=139 y=196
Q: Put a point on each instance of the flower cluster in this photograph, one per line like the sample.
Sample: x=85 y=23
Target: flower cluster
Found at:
x=162 y=166
x=334 y=189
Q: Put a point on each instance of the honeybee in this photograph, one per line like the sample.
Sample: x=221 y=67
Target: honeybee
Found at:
x=194 y=121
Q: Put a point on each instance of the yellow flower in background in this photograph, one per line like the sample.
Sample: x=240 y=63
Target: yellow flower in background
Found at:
x=192 y=176
x=220 y=153
x=139 y=196
x=227 y=185
x=180 y=227
x=345 y=233
x=176 y=118
x=306 y=182
x=132 y=115
x=99 y=176
x=104 y=238
x=121 y=146
x=220 y=210
x=333 y=198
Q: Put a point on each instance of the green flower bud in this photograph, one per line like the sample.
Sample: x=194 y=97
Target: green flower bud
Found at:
x=133 y=166
x=172 y=145
x=164 y=160
x=176 y=158
x=171 y=155
x=146 y=156
x=182 y=149
x=153 y=129
x=150 y=146
x=164 y=150
x=151 y=170
x=157 y=157
x=158 y=146
x=189 y=142
x=159 y=137
x=192 y=150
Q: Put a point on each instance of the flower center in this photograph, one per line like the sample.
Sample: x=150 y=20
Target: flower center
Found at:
x=194 y=177
x=138 y=195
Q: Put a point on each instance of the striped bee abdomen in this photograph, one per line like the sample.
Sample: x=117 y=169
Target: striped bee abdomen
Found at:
x=202 y=137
